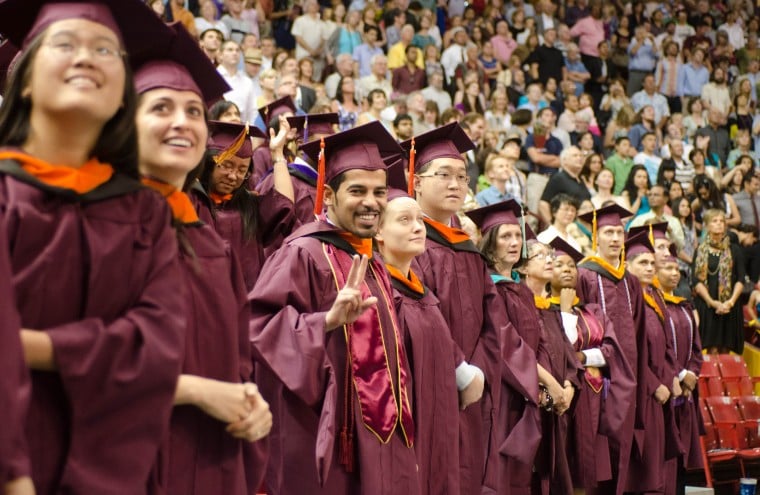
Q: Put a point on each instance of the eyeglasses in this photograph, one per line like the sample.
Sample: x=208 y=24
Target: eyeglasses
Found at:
x=99 y=51
x=543 y=256
x=446 y=177
x=231 y=170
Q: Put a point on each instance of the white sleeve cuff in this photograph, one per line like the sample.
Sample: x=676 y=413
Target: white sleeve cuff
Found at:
x=595 y=358
x=683 y=374
x=570 y=324
x=466 y=373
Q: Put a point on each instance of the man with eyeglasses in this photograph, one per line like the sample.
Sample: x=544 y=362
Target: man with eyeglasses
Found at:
x=452 y=267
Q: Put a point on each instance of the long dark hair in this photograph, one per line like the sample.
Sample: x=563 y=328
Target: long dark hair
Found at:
x=117 y=143
x=242 y=200
x=630 y=185
x=487 y=246
x=339 y=91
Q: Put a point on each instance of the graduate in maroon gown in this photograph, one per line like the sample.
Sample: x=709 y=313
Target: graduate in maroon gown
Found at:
x=262 y=156
x=324 y=325
x=603 y=280
x=657 y=383
x=503 y=244
x=430 y=350
x=93 y=258
x=15 y=387
x=551 y=464
x=302 y=169
x=453 y=268
x=688 y=355
x=606 y=379
x=252 y=224
x=216 y=407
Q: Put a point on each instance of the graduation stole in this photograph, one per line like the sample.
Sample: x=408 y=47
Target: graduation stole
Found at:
x=451 y=234
x=541 y=302
x=80 y=180
x=616 y=273
x=592 y=336
x=220 y=198
x=412 y=282
x=182 y=209
x=361 y=245
x=669 y=297
x=649 y=300
x=367 y=370
x=555 y=300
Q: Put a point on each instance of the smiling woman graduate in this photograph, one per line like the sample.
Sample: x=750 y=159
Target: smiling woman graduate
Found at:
x=93 y=259
x=217 y=409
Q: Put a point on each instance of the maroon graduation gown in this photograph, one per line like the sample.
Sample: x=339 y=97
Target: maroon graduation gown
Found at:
x=646 y=471
x=303 y=375
x=15 y=386
x=622 y=302
x=304 y=182
x=518 y=444
x=600 y=404
x=275 y=222
x=99 y=274
x=430 y=351
x=458 y=275
x=200 y=456
x=688 y=355
x=551 y=462
x=262 y=162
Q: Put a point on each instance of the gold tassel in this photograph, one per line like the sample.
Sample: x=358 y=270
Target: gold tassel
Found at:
x=233 y=148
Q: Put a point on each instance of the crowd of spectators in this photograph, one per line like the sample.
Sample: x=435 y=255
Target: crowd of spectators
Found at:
x=652 y=105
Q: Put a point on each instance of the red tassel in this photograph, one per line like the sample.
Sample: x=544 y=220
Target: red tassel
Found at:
x=320 y=178
x=346 y=454
x=410 y=182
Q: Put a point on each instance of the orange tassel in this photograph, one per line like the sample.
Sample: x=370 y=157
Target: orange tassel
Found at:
x=593 y=233
x=320 y=178
x=410 y=182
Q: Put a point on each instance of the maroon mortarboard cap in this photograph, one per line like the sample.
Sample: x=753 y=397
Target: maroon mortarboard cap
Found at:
x=672 y=253
x=277 y=107
x=181 y=65
x=609 y=215
x=504 y=213
x=529 y=234
x=653 y=230
x=136 y=25
x=638 y=244
x=395 y=193
x=448 y=141
x=562 y=247
x=366 y=147
x=317 y=124
x=232 y=137
x=397 y=176
x=8 y=56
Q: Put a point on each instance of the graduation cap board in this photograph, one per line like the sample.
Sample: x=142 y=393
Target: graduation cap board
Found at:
x=654 y=231
x=448 y=141
x=231 y=139
x=611 y=215
x=277 y=107
x=138 y=27
x=508 y=212
x=638 y=244
x=366 y=147
x=562 y=247
x=319 y=124
x=179 y=64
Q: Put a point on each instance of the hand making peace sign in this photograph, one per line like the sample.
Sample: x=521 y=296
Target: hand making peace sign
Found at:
x=348 y=306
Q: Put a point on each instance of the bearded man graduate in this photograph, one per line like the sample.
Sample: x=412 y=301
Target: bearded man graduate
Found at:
x=454 y=269
x=323 y=324
x=603 y=280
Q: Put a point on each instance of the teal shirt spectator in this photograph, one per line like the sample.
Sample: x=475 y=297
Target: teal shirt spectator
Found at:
x=733 y=157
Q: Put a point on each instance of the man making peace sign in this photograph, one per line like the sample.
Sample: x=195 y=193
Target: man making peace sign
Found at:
x=323 y=328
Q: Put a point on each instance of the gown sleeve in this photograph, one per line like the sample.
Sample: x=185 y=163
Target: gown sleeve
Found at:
x=15 y=386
